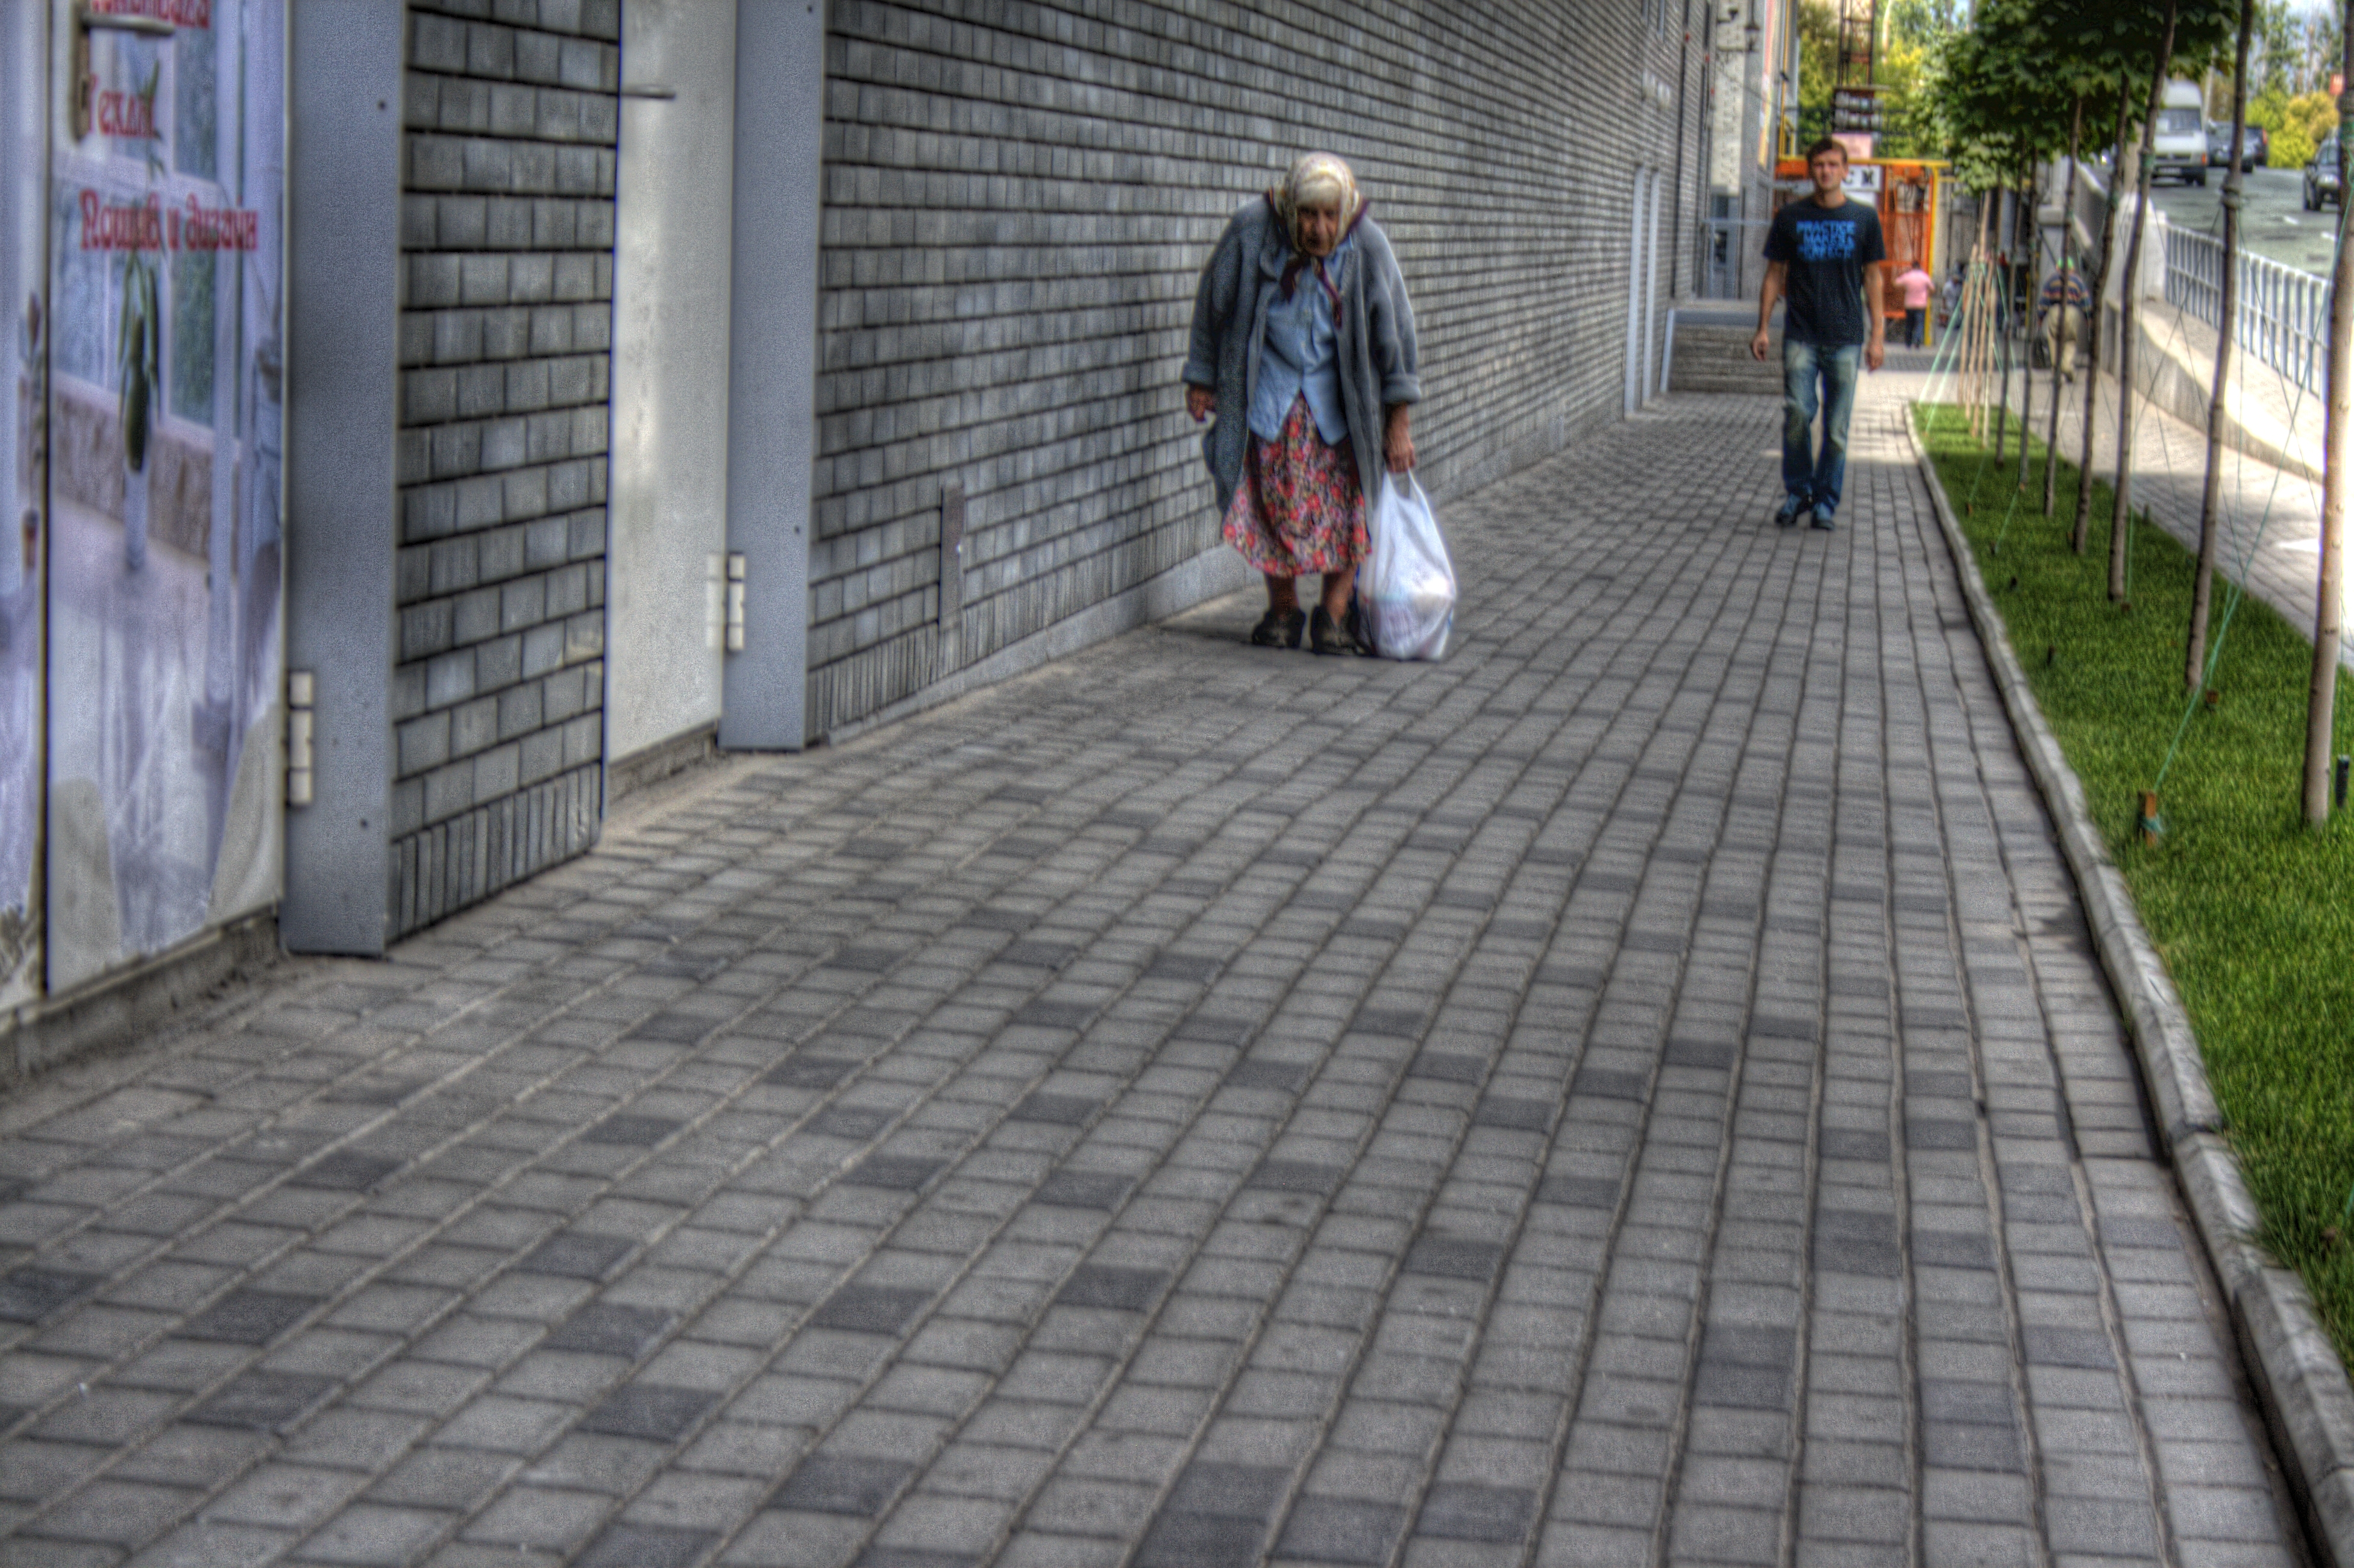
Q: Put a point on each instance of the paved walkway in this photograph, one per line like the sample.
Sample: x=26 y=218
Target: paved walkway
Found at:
x=1639 y=1091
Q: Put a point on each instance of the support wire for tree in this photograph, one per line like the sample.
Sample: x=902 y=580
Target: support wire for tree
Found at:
x=2202 y=588
x=2031 y=240
x=2091 y=345
x=2128 y=315
x=2067 y=249
x=2238 y=593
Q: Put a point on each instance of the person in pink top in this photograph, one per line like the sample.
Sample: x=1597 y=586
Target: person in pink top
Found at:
x=1916 y=285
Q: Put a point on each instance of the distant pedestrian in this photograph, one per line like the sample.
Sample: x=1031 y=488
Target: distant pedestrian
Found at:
x=1303 y=348
x=1916 y=285
x=1823 y=252
x=2060 y=311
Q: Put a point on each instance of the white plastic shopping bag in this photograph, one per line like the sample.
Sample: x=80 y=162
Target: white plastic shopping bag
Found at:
x=1407 y=586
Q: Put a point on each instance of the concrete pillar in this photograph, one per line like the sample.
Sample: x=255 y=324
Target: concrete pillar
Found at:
x=772 y=371
x=342 y=261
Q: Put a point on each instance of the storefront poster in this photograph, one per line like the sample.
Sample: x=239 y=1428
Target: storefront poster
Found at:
x=164 y=431
x=23 y=502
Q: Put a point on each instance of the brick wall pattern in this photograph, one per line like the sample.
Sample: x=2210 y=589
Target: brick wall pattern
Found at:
x=1019 y=197
x=511 y=115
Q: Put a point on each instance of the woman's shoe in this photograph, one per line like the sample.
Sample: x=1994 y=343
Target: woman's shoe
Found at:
x=1326 y=635
x=1280 y=629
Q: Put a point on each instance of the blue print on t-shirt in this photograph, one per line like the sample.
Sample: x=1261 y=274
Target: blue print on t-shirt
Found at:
x=1831 y=240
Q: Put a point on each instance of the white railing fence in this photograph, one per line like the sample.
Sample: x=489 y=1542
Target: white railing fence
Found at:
x=2283 y=312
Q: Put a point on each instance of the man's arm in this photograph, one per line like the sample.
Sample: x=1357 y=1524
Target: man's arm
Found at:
x=1875 y=293
x=1767 y=292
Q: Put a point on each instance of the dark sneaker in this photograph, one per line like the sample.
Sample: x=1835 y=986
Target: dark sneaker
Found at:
x=1824 y=520
x=1794 y=512
x=1326 y=635
x=1280 y=629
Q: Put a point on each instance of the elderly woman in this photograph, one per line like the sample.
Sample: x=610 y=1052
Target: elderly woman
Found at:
x=1303 y=346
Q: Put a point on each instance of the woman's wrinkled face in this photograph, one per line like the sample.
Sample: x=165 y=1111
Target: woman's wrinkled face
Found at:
x=1319 y=229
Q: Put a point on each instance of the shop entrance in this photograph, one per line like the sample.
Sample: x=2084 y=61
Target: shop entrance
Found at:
x=139 y=768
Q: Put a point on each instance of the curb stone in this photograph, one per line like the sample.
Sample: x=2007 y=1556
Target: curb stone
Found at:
x=2306 y=1396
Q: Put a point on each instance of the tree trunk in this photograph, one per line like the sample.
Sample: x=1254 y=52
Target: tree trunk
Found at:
x=2091 y=346
x=2202 y=589
x=2129 y=313
x=2067 y=243
x=2032 y=241
x=2330 y=597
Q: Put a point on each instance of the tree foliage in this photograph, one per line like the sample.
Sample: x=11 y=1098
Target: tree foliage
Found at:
x=2001 y=103
x=2005 y=89
x=1904 y=69
x=2278 y=66
x=2294 y=125
x=1925 y=23
x=1817 y=67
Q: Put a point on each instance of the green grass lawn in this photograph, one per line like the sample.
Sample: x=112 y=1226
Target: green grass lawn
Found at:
x=2253 y=911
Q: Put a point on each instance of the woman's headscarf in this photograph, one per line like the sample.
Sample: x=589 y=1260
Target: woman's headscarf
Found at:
x=1315 y=180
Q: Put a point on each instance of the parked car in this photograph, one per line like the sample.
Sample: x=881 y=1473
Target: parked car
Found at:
x=2256 y=147
x=2321 y=177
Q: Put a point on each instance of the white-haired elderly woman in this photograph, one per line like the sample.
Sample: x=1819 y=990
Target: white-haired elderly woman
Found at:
x=1303 y=348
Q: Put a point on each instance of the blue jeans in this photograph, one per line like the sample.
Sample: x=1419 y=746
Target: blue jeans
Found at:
x=1816 y=479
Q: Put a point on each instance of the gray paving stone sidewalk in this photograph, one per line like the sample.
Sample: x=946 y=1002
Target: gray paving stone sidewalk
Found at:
x=1639 y=1091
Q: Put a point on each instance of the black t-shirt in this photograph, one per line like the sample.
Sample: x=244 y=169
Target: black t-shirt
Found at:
x=1826 y=249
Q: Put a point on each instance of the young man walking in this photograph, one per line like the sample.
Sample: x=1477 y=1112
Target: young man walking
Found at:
x=1823 y=256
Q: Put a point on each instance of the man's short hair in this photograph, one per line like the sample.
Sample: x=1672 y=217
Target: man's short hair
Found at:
x=1823 y=144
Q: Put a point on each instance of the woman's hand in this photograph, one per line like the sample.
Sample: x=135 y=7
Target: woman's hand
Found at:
x=1398 y=440
x=1199 y=400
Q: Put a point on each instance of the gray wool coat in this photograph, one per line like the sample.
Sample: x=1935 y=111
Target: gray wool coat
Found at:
x=1376 y=338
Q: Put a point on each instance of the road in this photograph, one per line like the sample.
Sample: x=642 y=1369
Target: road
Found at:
x=2273 y=221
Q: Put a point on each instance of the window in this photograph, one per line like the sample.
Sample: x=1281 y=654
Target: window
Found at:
x=191 y=363
x=196 y=104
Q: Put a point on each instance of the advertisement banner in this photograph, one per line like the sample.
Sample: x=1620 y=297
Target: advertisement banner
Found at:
x=24 y=170
x=163 y=414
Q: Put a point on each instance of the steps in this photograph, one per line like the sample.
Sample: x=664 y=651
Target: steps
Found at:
x=1711 y=351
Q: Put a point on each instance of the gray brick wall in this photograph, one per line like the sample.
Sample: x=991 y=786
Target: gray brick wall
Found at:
x=1019 y=197
x=505 y=321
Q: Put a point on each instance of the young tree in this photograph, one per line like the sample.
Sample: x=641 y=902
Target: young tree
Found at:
x=2327 y=37
x=2328 y=609
x=2002 y=110
x=2067 y=263
x=2202 y=591
x=2129 y=311
x=2122 y=51
x=2090 y=349
x=2277 y=46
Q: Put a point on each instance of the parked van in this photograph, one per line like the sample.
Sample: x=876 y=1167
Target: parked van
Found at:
x=2180 y=137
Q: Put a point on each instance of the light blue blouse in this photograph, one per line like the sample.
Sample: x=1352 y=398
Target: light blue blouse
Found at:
x=1302 y=356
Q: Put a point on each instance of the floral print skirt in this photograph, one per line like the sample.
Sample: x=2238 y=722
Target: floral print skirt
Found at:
x=1300 y=508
